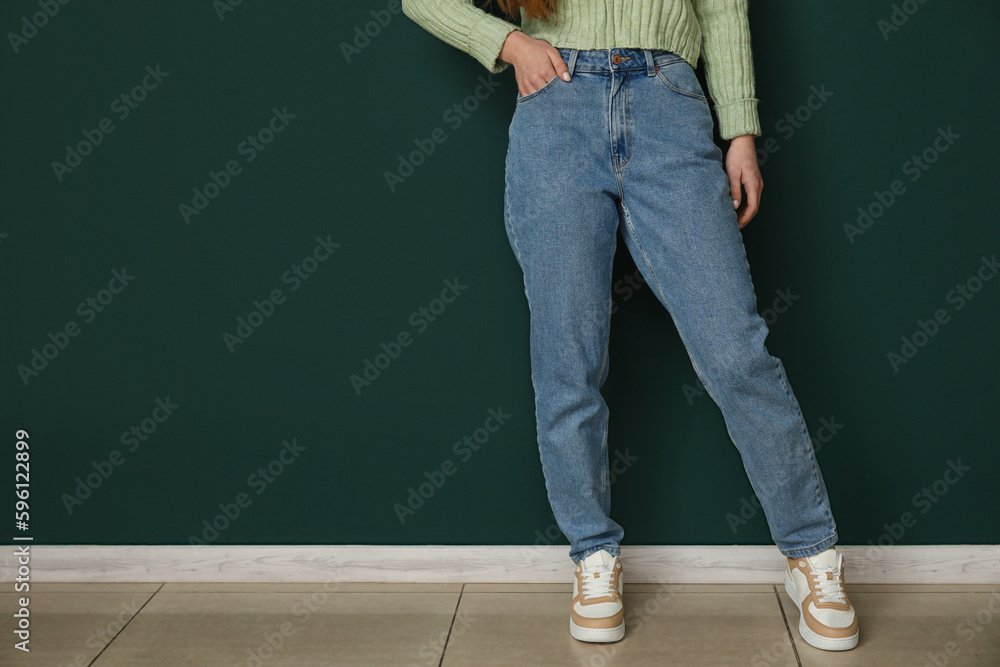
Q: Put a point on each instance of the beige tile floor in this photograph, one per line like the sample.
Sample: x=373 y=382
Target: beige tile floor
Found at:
x=451 y=625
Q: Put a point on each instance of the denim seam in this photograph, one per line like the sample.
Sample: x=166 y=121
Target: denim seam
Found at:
x=677 y=90
x=510 y=222
x=817 y=548
x=810 y=449
x=663 y=298
x=534 y=93
x=628 y=121
x=604 y=364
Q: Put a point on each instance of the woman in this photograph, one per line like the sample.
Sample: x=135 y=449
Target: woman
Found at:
x=611 y=126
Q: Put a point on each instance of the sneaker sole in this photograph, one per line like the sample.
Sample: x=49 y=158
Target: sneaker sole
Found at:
x=813 y=639
x=599 y=635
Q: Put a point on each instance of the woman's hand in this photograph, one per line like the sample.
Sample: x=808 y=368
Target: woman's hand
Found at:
x=535 y=61
x=741 y=166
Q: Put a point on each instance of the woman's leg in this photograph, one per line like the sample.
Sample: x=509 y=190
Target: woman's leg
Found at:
x=561 y=221
x=681 y=229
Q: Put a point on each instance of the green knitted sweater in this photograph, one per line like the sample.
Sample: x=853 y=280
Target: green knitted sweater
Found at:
x=716 y=30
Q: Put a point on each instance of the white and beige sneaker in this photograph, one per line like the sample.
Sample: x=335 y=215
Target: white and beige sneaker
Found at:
x=598 y=613
x=826 y=616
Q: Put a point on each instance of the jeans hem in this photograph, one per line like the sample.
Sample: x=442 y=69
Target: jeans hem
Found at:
x=614 y=551
x=811 y=550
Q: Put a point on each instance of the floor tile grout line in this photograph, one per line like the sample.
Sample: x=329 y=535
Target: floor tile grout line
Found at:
x=458 y=603
x=795 y=650
x=111 y=641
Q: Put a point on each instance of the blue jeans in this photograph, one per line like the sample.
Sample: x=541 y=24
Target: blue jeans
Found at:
x=632 y=142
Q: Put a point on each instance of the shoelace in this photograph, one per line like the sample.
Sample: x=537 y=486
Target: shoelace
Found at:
x=599 y=586
x=830 y=590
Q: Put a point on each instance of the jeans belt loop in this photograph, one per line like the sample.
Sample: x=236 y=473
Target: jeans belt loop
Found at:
x=650 y=71
x=571 y=63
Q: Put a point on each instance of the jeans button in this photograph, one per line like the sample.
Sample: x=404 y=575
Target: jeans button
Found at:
x=616 y=59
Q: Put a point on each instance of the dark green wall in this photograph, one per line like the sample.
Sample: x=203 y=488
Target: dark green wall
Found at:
x=161 y=337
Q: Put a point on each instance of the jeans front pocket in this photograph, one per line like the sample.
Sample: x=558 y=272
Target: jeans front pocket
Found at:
x=678 y=75
x=521 y=98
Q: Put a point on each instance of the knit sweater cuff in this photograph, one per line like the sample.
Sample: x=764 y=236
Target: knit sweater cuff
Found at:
x=486 y=41
x=738 y=118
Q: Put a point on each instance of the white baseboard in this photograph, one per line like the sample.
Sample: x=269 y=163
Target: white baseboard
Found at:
x=937 y=564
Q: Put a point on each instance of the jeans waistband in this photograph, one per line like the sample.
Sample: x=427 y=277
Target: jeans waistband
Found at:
x=616 y=59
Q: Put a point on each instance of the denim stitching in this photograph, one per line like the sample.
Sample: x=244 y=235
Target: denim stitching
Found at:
x=604 y=363
x=628 y=122
x=811 y=452
x=540 y=90
x=677 y=90
x=817 y=548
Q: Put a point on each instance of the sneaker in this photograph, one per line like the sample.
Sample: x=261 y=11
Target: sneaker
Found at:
x=826 y=616
x=597 y=613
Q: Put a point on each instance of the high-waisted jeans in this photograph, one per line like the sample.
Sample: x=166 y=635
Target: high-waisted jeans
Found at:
x=630 y=140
